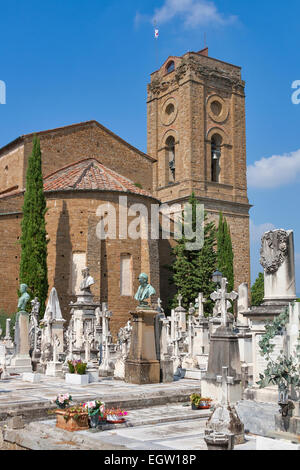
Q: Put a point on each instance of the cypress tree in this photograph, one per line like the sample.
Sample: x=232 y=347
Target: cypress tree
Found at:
x=258 y=291
x=33 y=265
x=192 y=270
x=225 y=252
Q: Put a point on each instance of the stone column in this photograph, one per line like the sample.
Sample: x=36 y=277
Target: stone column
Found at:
x=142 y=366
x=21 y=361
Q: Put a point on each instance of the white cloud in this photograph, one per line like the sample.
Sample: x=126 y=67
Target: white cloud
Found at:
x=274 y=171
x=192 y=12
x=257 y=231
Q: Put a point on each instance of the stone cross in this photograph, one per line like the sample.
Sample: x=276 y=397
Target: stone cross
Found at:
x=223 y=296
x=225 y=380
x=199 y=304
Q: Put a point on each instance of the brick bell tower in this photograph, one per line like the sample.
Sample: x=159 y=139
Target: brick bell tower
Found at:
x=196 y=131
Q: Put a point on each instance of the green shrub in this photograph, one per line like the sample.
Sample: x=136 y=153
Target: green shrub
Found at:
x=77 y=367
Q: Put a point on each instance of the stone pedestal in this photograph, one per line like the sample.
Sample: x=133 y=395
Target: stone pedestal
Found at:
x=141 y=366
x=21 y=361
x=166 y=371
x=224 y=352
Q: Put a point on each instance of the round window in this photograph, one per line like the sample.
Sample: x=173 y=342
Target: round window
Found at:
x=216 y=108
x=170 y=109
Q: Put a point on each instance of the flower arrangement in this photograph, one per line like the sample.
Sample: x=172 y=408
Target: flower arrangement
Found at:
x=62 y=401
x=115 y=415
x=95 y=407
x=77 y=367
x=197 y=401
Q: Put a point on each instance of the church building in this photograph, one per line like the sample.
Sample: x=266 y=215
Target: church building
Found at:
x=196 y=142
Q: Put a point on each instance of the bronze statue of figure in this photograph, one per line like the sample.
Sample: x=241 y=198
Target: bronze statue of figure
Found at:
x=24 y=298
x=145 y=291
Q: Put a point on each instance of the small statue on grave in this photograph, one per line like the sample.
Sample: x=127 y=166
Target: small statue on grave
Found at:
x=24 y=298
x=145 y=291
x=87 y=281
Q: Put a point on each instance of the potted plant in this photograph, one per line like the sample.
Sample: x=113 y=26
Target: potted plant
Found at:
x=200 y=403
x=116 y=416
x=96 y=411
x=62 y=401
x=72 y=419
x=77 y=373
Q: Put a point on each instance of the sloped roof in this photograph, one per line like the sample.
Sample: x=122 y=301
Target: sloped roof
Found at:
x=90 y=174
x=70 y=128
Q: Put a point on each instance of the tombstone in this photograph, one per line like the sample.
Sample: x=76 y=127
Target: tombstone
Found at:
x=124 y=339
x=243 y=305
x=54 y=320
x=223 y=352
x=166 y=363
x=199 y=305
x=245 y=336
x=181 y=314
x=4 y=374
x=224 y=419
x=106 y=368
x=190 y=364
x=84 y=318
x=54 y=367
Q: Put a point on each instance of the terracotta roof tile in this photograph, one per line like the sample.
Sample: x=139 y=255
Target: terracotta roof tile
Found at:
x=90 y=174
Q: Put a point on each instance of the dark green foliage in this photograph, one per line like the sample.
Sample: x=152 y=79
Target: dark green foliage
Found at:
x=225 y=252
x=33 y=266
x=192 y=270
x=284 y=371
x=273 y=328
x=258 y=291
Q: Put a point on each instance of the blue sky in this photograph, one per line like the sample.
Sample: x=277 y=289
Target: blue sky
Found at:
x=70 y=61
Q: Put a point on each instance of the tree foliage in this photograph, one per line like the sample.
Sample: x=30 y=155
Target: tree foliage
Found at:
x=258 y=291
x=225 y=252
x=33 y=266
x=192 y=269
